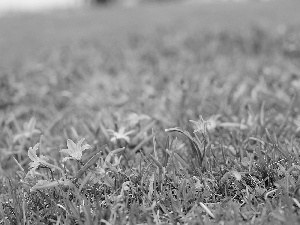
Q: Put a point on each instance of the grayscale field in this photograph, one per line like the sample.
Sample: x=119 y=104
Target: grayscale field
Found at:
x=162 y=113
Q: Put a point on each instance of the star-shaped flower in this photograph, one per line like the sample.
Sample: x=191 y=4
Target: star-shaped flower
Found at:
x=213 y=122
x=36 y=161
x=133 y=118
x=120 y=134
x=200 y=125
x=74 y=150
x=28 y=130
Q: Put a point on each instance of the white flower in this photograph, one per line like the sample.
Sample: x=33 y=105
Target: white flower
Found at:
x=133 y=118
x=36 y=161
x=213 y=122
x=28 y=130
x=74 y=150
x=120 y=134
x=200 y=125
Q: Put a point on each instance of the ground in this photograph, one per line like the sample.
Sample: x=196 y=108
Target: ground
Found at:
x=190 y=115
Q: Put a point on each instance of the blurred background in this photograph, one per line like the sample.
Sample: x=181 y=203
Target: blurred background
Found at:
x=136 y=54
x=30 y=25
x=37 y=5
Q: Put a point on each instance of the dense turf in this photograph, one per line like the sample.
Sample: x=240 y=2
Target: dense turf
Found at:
x=181 y=125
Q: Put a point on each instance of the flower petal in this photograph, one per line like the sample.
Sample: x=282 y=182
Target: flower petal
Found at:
x=77 y=155
x=66 y=158
x=86 y=146
x=66 y=151
x=32 y=153
x=31 y=124
x=34 y=165
x=43 y=158
x=121 y=130
x=17 y=137
x=127 y=139
x=79 y=143
x=71 y=145
x=129 y=132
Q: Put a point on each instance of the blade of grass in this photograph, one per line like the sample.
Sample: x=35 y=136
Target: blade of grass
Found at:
x=90 y=163
x=140 y=145
x=142 y=131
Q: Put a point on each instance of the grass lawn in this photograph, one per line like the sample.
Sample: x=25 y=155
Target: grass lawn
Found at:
x=160 y=114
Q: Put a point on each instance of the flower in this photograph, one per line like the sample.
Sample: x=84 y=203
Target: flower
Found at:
x=120 y=134
x=116 y=160
x=74 y=150
x=133 y=118
x=213 y=122
x=100 y=172
x=201 y=125
x=36 y=161
x=28 y=130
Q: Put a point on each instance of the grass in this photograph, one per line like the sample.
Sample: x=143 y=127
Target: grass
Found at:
x=172 y=126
